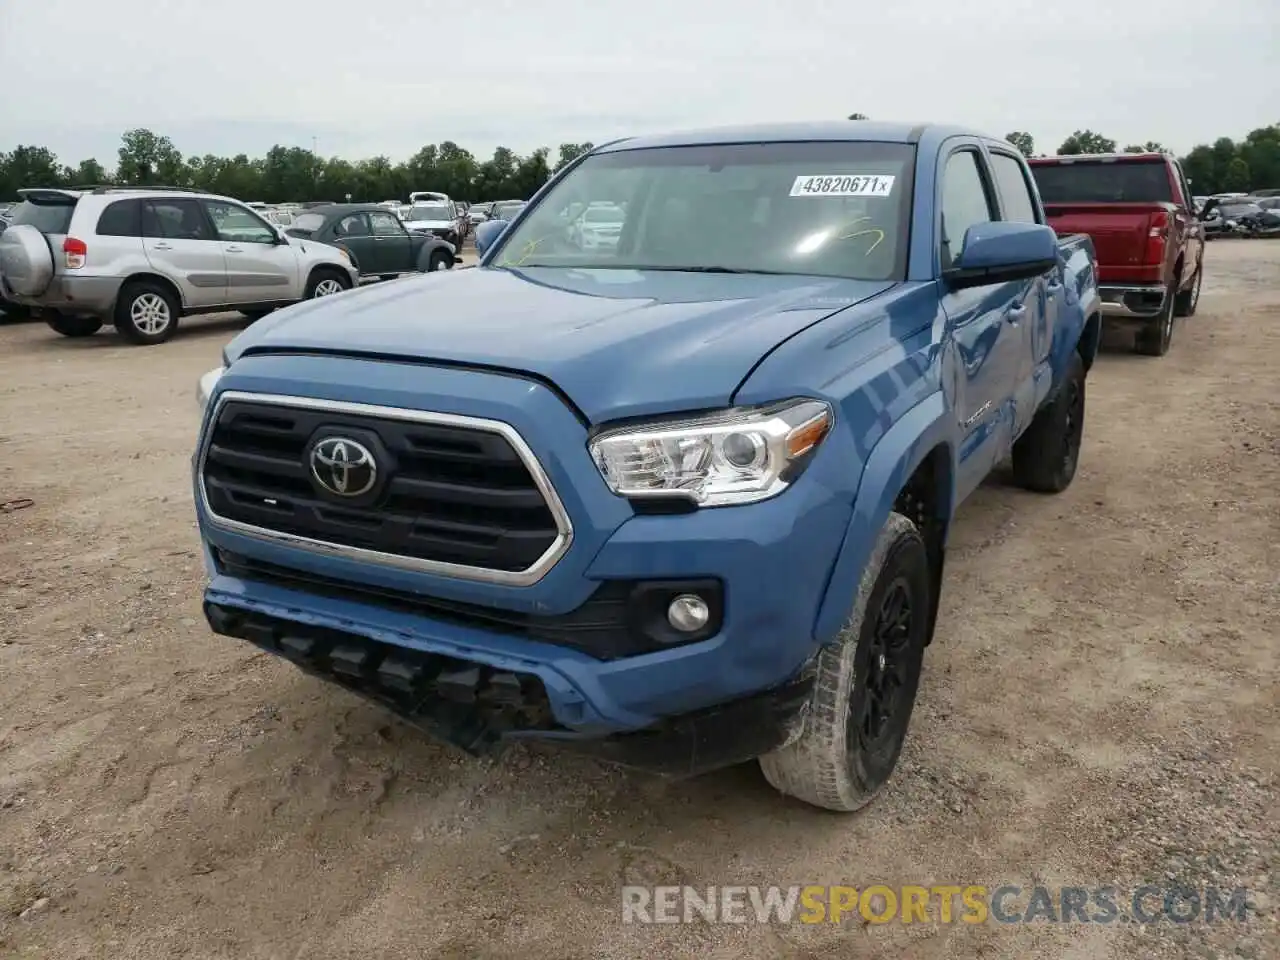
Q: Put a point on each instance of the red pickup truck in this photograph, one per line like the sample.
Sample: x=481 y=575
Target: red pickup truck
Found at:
x=1137 y=207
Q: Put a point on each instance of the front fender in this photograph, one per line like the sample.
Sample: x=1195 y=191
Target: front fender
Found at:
x=888 y=467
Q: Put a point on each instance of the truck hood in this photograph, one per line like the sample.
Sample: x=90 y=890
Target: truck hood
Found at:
x=428 y=224
x=618 y=343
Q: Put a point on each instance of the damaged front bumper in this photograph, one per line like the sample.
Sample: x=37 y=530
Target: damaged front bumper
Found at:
x=478 y=707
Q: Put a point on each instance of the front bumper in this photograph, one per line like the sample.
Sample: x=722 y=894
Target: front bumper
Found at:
x=773 y=558
x=74 y=295
x=1133 y=302
x=477 y=709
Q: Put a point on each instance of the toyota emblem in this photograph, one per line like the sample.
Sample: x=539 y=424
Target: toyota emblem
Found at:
x=343 y=466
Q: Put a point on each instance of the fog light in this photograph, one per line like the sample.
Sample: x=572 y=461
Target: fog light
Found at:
x=688 y=613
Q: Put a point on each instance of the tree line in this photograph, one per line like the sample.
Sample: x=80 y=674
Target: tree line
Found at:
x=292 y=173
x=1225 y=166
x=297 y=174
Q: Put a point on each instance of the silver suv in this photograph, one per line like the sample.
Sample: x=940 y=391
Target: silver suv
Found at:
x=140 y=258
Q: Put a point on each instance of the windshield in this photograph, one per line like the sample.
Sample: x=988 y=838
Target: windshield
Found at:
x=1096 y=181
x=430 y=211
x=308 y=222
x=52 y=217
x=826 y=209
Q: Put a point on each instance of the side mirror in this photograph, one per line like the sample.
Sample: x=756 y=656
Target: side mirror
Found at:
x=1001 y=252
x=487 y=233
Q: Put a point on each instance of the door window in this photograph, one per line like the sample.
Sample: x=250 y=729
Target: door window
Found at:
x=385 y=225
x=965 y=202
x=237 y=224
x=1015 y=195
x=352 y=225
x=175 y=219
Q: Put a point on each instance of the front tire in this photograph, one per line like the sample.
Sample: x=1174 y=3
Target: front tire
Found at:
x=1046 y=455
x=146 y=313
x=866 y=682
x=74 y=326
x=325 y=283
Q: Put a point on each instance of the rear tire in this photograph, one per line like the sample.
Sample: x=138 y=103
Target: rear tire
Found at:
x=866 y=684
x=1186 y=302
x=74 y=326
x=1046 y=455
x=325 y=283
x=146 y=313
x=14 y=312
x=1154 y=339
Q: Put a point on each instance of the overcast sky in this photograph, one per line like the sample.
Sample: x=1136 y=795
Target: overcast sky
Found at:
x=387 y=76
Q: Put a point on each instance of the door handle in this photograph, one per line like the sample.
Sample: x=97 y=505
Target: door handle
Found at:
x=161 y=246
x=234 y=249
x=1015 y=313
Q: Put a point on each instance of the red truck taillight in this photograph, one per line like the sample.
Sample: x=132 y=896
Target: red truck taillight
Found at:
x=1157 y=234
x=74 y=252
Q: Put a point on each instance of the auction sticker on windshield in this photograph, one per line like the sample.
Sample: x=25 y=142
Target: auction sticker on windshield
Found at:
x=842 y=185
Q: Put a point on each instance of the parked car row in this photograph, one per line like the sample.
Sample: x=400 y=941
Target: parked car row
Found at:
x=1250 y=216
x=142 y=258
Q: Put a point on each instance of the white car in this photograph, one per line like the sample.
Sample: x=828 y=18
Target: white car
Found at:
x=435 y=217
x=599 y=227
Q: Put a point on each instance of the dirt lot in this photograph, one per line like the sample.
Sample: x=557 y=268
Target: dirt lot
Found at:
x=1101 y=707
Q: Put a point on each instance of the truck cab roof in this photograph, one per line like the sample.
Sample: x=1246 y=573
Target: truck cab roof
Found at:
x=830 y=131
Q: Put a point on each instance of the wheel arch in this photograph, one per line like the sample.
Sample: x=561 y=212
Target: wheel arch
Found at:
x=319 y=269
x=1090 y=340
x=911 y=469
x=146 y=276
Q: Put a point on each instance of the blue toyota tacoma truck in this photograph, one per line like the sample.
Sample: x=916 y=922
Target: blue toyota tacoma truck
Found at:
x=668 y=477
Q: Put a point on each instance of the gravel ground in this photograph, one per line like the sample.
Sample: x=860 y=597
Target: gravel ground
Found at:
x=1100 y=707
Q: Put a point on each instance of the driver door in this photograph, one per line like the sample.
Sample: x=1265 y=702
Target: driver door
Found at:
x=390 y=245
x=989 y=324
x=260 y=269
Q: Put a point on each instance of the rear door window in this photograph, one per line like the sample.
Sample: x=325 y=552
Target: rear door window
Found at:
x=1015 y=194
x=175 y=219
x=46 y=216
x=1100 y=181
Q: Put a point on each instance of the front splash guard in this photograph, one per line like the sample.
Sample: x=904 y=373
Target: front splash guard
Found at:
x=470 y=706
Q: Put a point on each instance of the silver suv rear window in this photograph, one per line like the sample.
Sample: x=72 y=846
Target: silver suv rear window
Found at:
x=44 y=216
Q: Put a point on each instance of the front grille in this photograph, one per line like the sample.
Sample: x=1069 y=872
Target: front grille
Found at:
x=445 y=493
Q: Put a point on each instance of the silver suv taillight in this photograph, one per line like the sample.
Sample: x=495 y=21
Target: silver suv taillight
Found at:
x=74 y=252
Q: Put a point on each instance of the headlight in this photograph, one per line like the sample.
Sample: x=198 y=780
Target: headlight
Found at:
x=204 y=390
x=738 y=456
